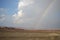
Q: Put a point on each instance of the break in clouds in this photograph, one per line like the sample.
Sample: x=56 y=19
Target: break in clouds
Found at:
x=34 y=14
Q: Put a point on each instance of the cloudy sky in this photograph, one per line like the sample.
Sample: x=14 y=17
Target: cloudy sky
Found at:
x=30 y=14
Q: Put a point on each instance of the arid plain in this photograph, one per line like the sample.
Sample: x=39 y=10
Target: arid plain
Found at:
x=21 y=34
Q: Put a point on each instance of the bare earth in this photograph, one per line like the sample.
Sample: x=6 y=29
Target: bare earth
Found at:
x=20 y=34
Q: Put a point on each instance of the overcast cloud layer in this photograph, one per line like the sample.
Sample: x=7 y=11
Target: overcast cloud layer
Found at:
x=33 y=14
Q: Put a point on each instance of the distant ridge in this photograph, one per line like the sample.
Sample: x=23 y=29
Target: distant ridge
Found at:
x=10 y=29
x=22 y=30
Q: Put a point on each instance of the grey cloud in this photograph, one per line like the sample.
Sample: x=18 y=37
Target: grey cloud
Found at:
x=35 y=11
x=32 y=15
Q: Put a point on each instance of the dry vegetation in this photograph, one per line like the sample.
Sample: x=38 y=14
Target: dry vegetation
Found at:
x=21 y=34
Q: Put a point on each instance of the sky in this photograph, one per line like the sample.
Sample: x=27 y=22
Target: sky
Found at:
x=30 y=14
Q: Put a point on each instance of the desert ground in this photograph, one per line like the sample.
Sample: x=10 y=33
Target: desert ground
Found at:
x=17 y=34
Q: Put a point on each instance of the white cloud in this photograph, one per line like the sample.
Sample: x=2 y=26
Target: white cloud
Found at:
x=2 y=18
x=3 y=12
x=35 y=15
x=24 y=3
x=19 y=21
x=17 y=17
x=19 y=14
x=1 y=9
